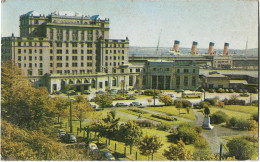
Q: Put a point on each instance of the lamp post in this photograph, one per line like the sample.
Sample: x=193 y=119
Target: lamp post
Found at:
x=71 y=127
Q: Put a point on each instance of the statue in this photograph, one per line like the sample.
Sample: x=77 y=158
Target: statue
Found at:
x=206 y=122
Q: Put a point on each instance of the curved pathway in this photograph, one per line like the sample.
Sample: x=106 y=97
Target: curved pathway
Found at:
x=213 y=136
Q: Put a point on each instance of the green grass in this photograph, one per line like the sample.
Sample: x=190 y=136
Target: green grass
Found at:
x=245 y=109
x=148 y=116
x=231 y=113
x=172 y=110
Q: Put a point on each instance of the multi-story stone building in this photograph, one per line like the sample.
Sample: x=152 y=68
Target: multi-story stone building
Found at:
x=171 y=75
x=72 y=48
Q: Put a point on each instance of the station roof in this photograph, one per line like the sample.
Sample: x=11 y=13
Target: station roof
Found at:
x=238 y=82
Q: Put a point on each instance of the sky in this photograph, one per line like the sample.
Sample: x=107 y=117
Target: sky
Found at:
x=144 y=21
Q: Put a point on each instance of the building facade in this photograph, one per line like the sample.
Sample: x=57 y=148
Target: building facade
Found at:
x=67 y=45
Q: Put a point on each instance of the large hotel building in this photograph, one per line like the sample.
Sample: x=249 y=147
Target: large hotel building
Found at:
x=66 y=48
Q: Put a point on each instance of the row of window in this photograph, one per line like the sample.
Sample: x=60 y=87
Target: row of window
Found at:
x=73 y=58
x=73 y=71
x=30 y=58
x=35 y=44
x=30 y=51
x=185 y=82
x=74 y=44
x=114 y=57
x=110 y=64
x=115 y=52
x=74 y=64
x=75 y=35
x=186 y=71
x=30 y=65
x=74 y=51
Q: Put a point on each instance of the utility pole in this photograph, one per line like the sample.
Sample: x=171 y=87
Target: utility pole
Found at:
x=154 y=97
x=70 y=118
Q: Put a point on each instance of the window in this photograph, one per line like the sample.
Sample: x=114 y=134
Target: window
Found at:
x=67 y=64
x=41 y=65
x=131 y=80
x=30 y=58
x=185 y=80
x=67 y=44
x=114 y=51
x=74 y=64
x=24 y=58
x=30 y=51
x=51 y=58
x=19 y=51
x=67 y=58
x=40 y=72
x=35 y=51
x=59 y=51
x=138 y=70
x=167 y=69
x=186 y=70
x=154 y=69
x=74 y=44
x=59 y=57
x=24 y=50
x=114 y=57
x=106 y=57
x=82 y=64
x=82 y=57
x=19 y=44
x=74 y=58
x=89 y=44
x=123 y=52
x=50 y=50
x=59 y=44
x=59 y=64
x=51 y=65
x=89 y=64
x=67 y=51
x=122 y=70
x=178 y=80
x=193 y=80
x=131 y=70
x=19 y=58
x=178 y=70
x=82 y=51
x=40 y=58
x=51 y=44
x=74 y=51
x=40 y=51
x=106 y=51
x=89 y=57
x=30 y=64
x=89 y=51
x=194 y=70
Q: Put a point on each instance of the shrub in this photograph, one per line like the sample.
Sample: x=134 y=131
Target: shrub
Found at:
x=246 y=124
x=232 y=122
x=241 y=149
x=163 y=127
x=151 y=92
x=144 y=123
x=255 y=117
x=219 y=117
x=164 y=117
x=187 y=133
x=212 y=101
x=138 y=111
x=203 y=155
x=201 y=143
x=204 y=104
x=182 y=103
x=166 y=99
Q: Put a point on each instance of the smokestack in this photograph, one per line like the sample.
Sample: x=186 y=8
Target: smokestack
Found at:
x=211 y=48
x=176 y=46
x=225 y=52
x=194 y=48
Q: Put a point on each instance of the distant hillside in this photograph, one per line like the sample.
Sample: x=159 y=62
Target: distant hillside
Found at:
x=164 y=51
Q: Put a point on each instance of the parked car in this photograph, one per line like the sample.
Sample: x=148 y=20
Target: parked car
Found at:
x=240 y=91
x=92 y=147
x=100 y=92
x=179 y=90
x=61 y=133
x=71 y=92
x=108 y=156
x=69 y=138
x=220 y=90
x=171 y=95
x=226 y=90
x=135 y=104
x=244 y=95
x=231 y=91
x=212 y=90
x=86 y=92
x=121 y=105
x=57 y=92
x=131 y=98
x=244 y=90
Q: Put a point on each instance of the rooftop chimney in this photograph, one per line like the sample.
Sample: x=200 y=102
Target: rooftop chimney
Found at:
x=194 y=48
x=176 y=46
x=211 y=48
x=225 y=52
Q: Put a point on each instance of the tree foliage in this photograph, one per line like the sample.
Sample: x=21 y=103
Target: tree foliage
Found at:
x=188 y=133
x=107 y=127
x=219 y=117
x=130 y=133
x=80 y=107
x=241 y=149
x=150 y=145
x=178 y=152
x=19 y=144
x=22 y=104
x=166 y=99
x=103 y=100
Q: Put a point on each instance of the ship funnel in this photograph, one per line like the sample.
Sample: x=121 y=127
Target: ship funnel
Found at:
x=211 y=48
x=194 y=48
x=225 y=52
x=176 y=46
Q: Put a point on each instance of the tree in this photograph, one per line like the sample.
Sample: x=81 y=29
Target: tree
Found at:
x=178 y=152
x=219 y=117
x=166 y=99
x=61 y=105
x=204 y=155
x=241 y=149
x=103 y=100
x=130 y=133
x=149 y=145
x=80 y=107
x=22 y=104
x=107 y=127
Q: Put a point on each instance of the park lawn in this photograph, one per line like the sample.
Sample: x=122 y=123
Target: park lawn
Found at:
x=174 y=111
x=240 y=108
x=231 y=113
x=148 y=116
